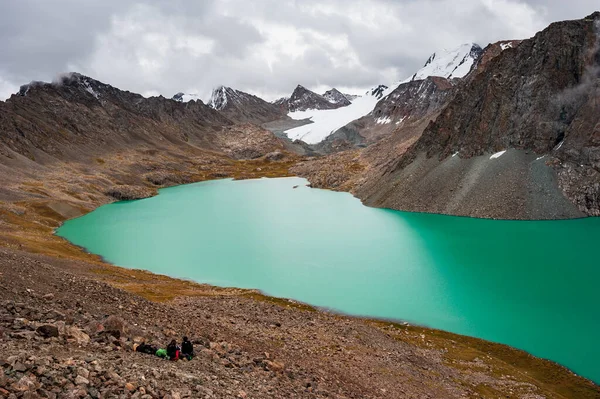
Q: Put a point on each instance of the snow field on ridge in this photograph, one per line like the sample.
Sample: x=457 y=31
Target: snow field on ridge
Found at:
x=327 y=121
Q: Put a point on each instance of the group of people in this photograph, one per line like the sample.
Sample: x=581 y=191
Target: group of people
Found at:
x=172 y=352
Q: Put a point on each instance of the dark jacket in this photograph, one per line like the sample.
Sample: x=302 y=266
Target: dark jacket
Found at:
x=172 y=350
x=187 y=348
x=145 y=348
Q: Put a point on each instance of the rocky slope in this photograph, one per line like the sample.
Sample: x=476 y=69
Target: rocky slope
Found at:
x=82 y=142
x=537 y=99
x=424 y=92
x=409 y=102
x=540 y=101
x=242 y=107
x=67 y=330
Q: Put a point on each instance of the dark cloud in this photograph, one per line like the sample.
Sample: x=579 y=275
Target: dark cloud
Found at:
x=264 y=47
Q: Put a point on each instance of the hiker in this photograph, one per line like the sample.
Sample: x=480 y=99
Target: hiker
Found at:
x=187 y=349
x=173 y=350
x=146 y=348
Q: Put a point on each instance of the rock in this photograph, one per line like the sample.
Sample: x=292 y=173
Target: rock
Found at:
x=20 y=367
x=47 y=331
x=76 y=334
x=115 y=326
x=27 y=335
x=130 y=387
x=93 y=392
x=127 y=193
x=24 y=384
x=85 y=373
x=274 y=366
x=48 y=296
x=80 y=380
x=274 y=156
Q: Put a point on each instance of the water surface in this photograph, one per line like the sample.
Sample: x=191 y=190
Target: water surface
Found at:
x=532 y=285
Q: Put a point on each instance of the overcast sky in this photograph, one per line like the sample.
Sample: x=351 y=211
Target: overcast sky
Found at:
x=265 y=47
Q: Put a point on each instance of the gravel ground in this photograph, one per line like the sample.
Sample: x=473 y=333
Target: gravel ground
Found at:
x=246 y=348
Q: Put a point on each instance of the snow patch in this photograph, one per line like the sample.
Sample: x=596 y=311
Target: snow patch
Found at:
x=455 y=63
x=538 y=158
x=498 y=154
x=559 y=145
x=401 y=120
x=90 y=89
x=504 y=46
x=383 y=121
x=327 y=121
x=455 y=154
x=184 y=98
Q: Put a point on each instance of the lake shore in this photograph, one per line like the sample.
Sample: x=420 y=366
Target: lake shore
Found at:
x=310 y=353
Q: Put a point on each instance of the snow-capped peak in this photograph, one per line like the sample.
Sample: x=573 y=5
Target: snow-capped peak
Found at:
x=184 y=98
x=220 y=97
x=455 y=63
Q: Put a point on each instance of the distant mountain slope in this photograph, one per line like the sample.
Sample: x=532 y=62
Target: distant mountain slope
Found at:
x=303 y=99
x=455 y=63
x=361 y=123
x=327 y=121
x=77 y=118
x=242 y=107
x=405 y=105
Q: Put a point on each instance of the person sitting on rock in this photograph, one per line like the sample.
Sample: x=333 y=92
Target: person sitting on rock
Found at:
x=173 y=350
x=187 y=349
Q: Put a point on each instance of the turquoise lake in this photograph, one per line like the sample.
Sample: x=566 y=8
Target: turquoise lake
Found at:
x=531 y=285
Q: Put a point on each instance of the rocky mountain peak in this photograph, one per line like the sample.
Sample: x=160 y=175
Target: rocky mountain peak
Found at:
x=221 y=96
x=455 y=63
x=244 y=107
x=334 y=96
x=74 y=83
x=303 y=99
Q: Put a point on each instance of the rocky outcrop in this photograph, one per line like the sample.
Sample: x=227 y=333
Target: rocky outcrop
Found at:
x=242 y=107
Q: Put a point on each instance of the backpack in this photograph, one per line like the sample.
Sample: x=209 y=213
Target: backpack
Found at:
x=162 y=353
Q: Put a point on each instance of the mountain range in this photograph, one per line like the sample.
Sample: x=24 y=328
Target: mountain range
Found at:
x=431 y=135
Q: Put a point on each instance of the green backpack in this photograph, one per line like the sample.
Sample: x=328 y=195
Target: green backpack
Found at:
x=162 y=353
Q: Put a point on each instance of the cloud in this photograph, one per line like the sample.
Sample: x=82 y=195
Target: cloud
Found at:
x=264 y=47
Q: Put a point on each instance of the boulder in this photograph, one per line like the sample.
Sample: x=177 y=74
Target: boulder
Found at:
x=77 y=335
x=47 y=331
x=274 y=156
